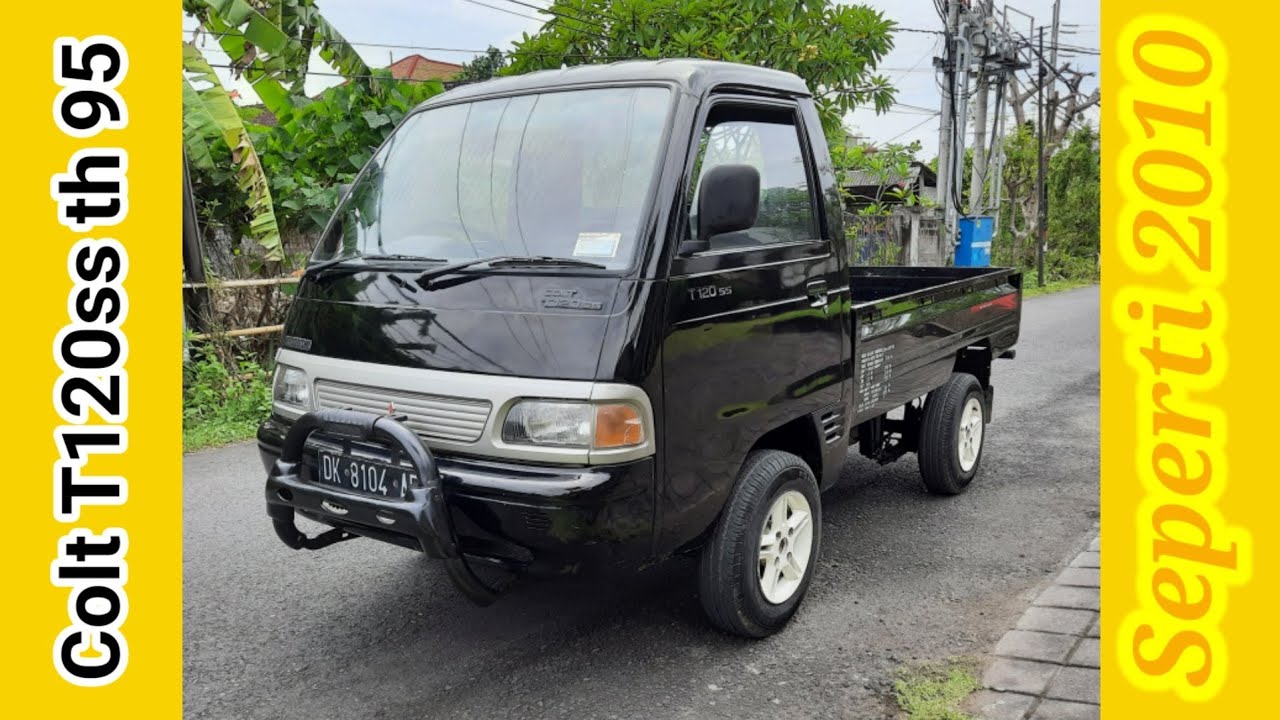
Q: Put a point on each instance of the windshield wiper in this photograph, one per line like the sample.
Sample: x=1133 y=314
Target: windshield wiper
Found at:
x=404 y=258
x=365 y=259
x=544 y=261
x=504 y=261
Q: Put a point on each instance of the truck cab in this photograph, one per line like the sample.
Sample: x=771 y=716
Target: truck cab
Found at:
x=606 y=315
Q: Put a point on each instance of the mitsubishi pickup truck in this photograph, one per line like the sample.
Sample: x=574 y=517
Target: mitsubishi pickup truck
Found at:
x=605 y=315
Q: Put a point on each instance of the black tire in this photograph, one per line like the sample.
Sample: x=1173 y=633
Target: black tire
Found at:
x=729 y=568
x=939 y=453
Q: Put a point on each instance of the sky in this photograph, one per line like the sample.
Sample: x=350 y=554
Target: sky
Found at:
x=456 y=30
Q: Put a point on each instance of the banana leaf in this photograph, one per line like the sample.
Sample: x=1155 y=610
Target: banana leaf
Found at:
x=208 y=114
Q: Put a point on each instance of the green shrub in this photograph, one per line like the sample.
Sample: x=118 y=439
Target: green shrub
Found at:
x=225 y=394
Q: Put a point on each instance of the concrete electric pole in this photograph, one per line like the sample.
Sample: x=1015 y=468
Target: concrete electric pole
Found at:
x=1041 y=190
x=946 y=138
x=982 y=46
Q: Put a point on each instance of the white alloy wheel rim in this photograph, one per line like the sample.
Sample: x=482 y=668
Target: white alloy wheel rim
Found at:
x=786 y=541
x=970 y=435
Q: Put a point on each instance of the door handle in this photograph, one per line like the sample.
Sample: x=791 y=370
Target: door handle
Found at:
x=817 y=291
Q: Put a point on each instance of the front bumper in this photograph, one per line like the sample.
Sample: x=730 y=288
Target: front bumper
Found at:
x=541 y=519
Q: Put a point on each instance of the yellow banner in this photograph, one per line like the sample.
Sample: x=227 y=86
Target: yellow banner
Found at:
x=1185 y=427
x=93 y=592
x=93 y=194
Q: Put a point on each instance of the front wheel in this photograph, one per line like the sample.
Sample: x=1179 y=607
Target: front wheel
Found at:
x=951 y=435
x=757 y=566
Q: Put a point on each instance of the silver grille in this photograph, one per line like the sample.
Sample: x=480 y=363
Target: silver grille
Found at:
x=431 y=416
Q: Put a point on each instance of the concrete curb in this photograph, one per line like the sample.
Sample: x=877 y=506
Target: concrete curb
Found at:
x=1046 y=668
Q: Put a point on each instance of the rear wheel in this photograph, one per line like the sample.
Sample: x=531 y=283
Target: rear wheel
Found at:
x=757 y=566
x=951 y=435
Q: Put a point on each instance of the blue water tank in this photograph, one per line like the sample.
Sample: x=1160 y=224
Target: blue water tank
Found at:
x=974 y=249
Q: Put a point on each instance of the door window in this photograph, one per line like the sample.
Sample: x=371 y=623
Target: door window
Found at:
x=768 y=140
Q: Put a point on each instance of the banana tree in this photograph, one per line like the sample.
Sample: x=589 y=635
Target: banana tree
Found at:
x=270 y=44
x=209 y=115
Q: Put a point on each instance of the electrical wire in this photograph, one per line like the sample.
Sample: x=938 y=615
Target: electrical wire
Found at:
x=557 y=13
x=932 y=49
x=197 y=31
x=905 y=106
x=507 y=53
x=913 y=127
x=504 y=10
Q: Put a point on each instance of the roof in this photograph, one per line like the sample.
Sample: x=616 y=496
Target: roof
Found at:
x=417 y=67
x=918 y=171
x=692 y=75
x=412 y=67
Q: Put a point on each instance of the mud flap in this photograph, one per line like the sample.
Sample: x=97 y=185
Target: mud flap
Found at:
x=421 y=512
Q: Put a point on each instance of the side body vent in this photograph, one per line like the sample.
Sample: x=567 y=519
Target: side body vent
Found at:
x=833 y=426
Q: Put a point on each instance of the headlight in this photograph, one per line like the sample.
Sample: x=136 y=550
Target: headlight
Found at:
x=573 y=424
x=290 y=387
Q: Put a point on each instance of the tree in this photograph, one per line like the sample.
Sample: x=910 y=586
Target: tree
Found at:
x=1074 y=186
x=285 y=176
x=269 y=43
x=325 y=143
x=1075 y=192
x=483 y=67
x=835 y=48
x=1018 y=211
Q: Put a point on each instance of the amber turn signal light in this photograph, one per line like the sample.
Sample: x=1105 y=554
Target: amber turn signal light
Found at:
x=618 y=426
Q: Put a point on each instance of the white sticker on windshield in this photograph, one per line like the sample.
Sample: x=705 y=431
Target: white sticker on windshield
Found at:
x=596 y=244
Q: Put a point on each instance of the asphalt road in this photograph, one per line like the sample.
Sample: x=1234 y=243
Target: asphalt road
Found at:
x=366 y=630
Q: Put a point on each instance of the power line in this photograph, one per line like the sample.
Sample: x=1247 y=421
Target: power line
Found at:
x=915 y=107
x=549 y=12
x=558 y=13
x=504 y=10
x=196 y=32
x=914 y=127
x=336 y=74
x=932 y=49
x=508 y=53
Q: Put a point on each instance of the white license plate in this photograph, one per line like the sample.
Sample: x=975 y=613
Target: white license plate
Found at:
x=362 y=476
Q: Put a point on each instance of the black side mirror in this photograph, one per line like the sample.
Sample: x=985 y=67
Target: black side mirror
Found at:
x=728 y=201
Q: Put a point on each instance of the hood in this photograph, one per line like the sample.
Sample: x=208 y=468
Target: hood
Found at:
x=534 y=325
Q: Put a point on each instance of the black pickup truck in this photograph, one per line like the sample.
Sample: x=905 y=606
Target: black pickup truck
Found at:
x=605 y=314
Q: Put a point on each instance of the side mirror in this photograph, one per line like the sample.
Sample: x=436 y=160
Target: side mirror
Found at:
x=728 y=201
x=343 y=191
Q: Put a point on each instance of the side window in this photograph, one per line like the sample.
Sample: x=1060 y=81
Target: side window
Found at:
x=769 y=141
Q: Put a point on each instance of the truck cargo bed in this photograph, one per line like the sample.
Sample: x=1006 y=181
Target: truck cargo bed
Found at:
x=911 y=324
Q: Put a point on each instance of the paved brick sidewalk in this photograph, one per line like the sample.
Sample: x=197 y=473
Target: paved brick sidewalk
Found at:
x=1047 y=667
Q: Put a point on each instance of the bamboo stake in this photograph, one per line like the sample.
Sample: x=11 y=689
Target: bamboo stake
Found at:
x=257 y=282
x=267 y=330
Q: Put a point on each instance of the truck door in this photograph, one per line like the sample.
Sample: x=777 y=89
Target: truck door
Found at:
x=754 y=324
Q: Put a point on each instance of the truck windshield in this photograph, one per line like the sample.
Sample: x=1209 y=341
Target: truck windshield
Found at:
x=556 y=174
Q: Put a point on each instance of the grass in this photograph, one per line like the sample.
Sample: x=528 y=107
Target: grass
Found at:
x=216 y=432
x=934 y=691
x=1029 y=289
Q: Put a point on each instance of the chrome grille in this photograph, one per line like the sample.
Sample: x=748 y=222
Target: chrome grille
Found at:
x=430 y=416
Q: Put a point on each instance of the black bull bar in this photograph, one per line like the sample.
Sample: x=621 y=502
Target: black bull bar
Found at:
x=421 y=512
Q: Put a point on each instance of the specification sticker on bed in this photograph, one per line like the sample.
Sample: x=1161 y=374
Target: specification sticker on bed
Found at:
x=875 y=371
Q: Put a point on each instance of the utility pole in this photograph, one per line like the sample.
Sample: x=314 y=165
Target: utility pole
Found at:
x=1053 y=97
x=1041 y=193
x=946 y=136
x=1053 y=49
x=976 y=182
